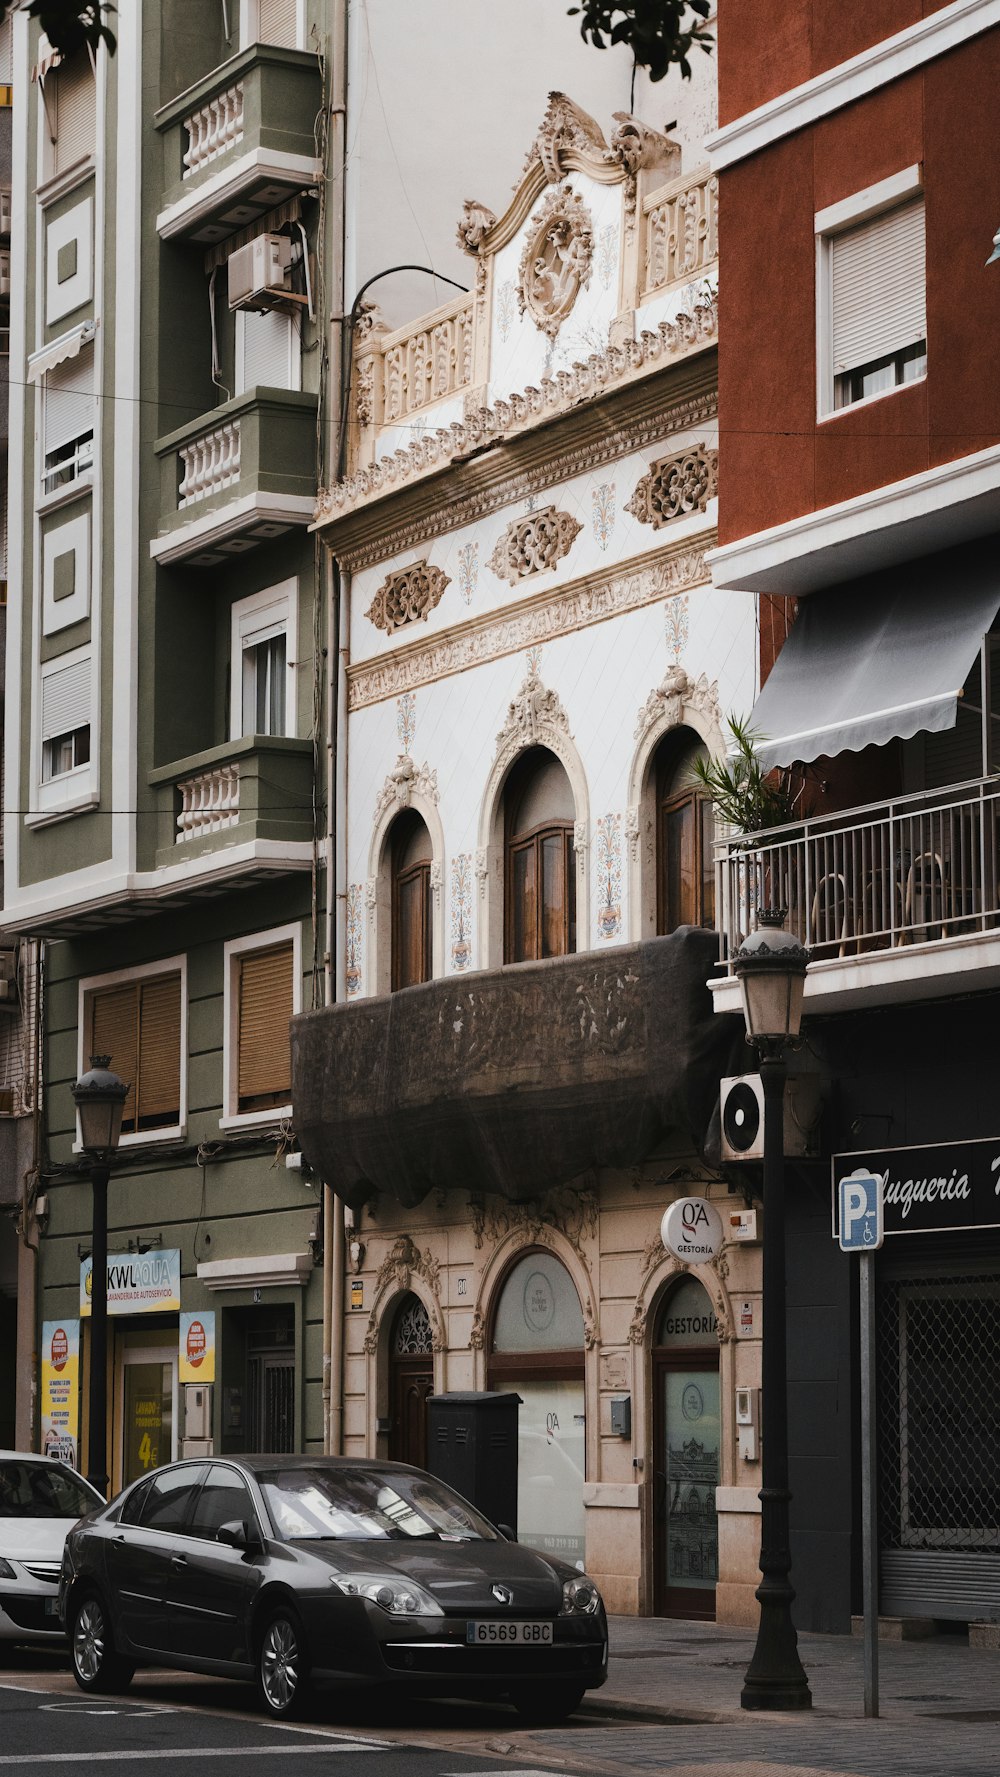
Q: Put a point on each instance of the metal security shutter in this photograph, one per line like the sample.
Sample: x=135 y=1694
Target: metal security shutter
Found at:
x=66 y=699
x=278 y=22
x=878 y=288
x=70 y=405
x=114 y=1031
x=265 y=1010
x=71 y=105
x=160 y=1051
x=270 y=352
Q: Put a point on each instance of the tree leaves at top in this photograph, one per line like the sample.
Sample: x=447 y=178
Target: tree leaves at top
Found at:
x=656 y=31
x=70 y=24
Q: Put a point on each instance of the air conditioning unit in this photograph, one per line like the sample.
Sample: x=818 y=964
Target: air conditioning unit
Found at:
x=197 y=1411
x=260 y=272
x=742 y=1105
x=4 y=209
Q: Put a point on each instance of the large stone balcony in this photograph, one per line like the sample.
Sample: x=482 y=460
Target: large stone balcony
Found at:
x=897 y=901
x=244 y=473
x=515 y=1079
x=239 y=143
x=257 y=788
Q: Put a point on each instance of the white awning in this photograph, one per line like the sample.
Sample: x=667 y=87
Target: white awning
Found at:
x=68 y=345
x=871 y=662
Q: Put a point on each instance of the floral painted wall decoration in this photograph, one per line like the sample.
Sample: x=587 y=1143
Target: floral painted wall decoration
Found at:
x=608 y=863
x=461 y=912
x=355 y=938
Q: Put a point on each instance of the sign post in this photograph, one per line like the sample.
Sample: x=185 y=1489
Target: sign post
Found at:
x=862 y=1231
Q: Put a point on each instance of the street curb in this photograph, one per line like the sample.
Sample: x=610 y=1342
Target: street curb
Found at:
x=595 y=1708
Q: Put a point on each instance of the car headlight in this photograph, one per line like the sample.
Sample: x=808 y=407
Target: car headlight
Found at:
x=398 y=1597
x=6 y=1571
x=580 y=1598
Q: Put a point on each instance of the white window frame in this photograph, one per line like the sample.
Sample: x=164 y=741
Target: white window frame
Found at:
x=255 y=619
x=71 y=790
x=862 y=206
x=170 y=965
x=232 y=952
x=250 y=23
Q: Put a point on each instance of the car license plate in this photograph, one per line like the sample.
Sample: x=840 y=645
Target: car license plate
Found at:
x=522 y=1634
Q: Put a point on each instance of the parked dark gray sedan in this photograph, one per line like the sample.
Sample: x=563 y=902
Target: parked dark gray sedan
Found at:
x=289 y=1568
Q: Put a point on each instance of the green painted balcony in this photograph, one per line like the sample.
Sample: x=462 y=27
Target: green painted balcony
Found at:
x=239 y=143
x=253 y=797
x=243 y=474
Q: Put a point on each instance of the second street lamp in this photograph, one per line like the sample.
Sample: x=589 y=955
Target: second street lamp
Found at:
x=100 y=1101
x=771 y=968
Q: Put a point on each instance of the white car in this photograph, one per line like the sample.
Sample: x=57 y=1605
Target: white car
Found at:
x=40 y=1500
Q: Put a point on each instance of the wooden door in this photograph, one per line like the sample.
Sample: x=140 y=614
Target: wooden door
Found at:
x=411 y=1380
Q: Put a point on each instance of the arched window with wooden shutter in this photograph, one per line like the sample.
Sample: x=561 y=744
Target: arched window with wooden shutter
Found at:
x=138 y=1024
x=265 y=1000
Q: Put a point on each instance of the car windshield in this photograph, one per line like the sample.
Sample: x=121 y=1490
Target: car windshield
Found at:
x=368 y=1505
x=43 y=1490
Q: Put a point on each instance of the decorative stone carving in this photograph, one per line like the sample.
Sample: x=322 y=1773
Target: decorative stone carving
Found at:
x=437 y=878
x=477 y=1335
x=371 y=1335
x=564 y=126
x=405 y=1260
x=676 y=486
x=581 y=840
x=531 y=715
x=556 y=262
x=364 y=399
x=632 y=830
x=573 y=1214
x=371 y=893
x=599 y=596
x=482 y=872
x=666 y=707
x=591 y=1335
x=635 y=146
x=407 y=596
x=534 y=543
x=474 y=225
x=688 y=331
x=403 y=782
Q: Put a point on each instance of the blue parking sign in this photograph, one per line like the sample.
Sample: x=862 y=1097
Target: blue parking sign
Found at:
x=859 y=1200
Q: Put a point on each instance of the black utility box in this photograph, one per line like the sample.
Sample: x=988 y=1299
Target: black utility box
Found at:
x=472 y=1444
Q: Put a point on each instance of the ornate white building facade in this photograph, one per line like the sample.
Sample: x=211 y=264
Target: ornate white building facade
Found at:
x=531 y=654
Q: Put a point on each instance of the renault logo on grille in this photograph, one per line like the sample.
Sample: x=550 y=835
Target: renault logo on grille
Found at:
x=503 y=1594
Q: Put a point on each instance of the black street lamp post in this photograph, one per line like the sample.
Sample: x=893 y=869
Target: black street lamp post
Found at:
x=771 y=968
x=100 y=1101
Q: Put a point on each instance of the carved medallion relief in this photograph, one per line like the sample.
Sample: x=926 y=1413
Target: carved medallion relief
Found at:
x=533 y=543
x=556 y=262
x=407 y=596
x=676 y=486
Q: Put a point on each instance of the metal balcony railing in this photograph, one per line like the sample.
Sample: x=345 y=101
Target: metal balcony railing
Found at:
x=919 y=869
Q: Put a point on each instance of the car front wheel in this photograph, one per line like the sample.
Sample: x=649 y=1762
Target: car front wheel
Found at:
x=282 y=1666
x=547 y=1705
x=97 y=1666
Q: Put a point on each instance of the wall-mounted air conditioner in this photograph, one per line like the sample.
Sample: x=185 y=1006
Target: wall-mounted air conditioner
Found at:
x=260 y=273
x=743 y=1117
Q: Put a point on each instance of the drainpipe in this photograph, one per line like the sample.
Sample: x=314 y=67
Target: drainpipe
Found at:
x=26 y=1373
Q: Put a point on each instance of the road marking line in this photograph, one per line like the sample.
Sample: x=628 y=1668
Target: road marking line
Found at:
x=233 y=1752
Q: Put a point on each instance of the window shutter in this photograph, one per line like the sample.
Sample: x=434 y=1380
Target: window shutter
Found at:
x=265 y=1058
x=70 y=406
x=278 y=22
x=160 y=1051
x=114 y=1031
x=66 y=699
x=879 y=289
x=72 y=110
x=270 y=352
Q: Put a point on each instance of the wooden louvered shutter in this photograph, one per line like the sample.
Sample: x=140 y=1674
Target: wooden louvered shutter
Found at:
x=73 y=109
x=160 y=1052
x=114 y=1031
x=879 y=288
x=265 y=1059
x=278 y=23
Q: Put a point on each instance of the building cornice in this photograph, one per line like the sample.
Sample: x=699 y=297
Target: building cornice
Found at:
x=593 y=599
x=841 y=85
x=937 y=509
x=531 y=461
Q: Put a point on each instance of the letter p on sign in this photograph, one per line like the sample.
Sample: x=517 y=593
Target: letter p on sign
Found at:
x=860 y=1205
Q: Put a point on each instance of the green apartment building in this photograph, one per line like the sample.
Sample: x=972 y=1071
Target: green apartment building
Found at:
x=165 y=832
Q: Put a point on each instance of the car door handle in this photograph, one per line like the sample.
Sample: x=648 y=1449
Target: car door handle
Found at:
x=178 y=1560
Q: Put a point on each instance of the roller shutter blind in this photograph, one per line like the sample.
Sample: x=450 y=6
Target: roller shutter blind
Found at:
x=270 y=354
x=278 y=22
x=70 y=95
x=66 y=699
x=139 y=1025
x=878 y=288
x=70 y=405
x=264 y=1071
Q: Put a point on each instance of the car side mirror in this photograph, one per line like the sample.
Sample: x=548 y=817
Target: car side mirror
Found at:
x=506 y=1531
x=240 y=1535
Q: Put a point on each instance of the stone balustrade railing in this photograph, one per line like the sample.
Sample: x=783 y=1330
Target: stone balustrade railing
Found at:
x=425 y=362
x=681 y=232
x=213 y=128
x=209 y=803
x=209 y=464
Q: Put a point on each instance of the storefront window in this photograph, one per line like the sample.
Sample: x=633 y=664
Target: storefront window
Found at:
x=688 y=1441
x=538 y=1350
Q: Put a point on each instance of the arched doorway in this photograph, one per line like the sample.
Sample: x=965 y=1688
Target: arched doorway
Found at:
x=687 y=1434
x=537 y=1349
x=411 y=1380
